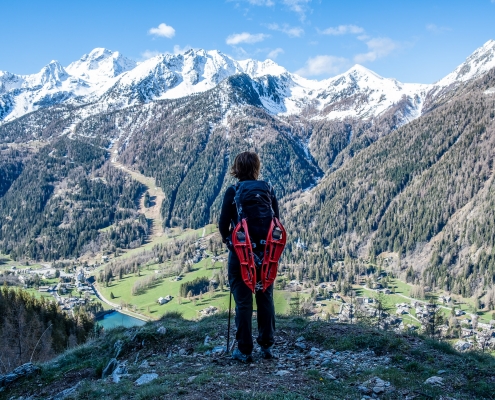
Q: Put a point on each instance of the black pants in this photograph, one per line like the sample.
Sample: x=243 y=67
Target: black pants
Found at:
x=244 y=310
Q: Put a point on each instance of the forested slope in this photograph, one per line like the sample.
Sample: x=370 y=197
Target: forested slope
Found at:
x=36 y=330
x=400 y=192
x=62 y=198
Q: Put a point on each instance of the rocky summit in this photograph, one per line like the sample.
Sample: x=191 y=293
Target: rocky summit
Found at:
x=315 y=360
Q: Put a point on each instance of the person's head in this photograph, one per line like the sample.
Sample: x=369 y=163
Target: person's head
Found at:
x=246 y=166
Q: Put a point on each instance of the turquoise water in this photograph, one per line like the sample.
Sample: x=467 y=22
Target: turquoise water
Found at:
x=116 y=319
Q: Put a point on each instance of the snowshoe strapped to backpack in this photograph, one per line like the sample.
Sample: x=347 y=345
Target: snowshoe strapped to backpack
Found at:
x=274 y=246
x=243 y=249
x=253 y=200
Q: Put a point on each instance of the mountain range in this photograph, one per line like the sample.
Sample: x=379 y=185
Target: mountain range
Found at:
x=114 y=81
x=365 y=166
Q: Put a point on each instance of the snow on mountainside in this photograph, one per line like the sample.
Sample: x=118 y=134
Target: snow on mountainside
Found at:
x=169 y=76
x=21 y=94
x=481 y=61
x=478 y=63
x=9 y=81
x=112 y=81
x=100 y=66
x=256 y=68
x=358 y=92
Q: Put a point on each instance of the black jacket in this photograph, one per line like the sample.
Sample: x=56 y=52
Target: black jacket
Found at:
x=228 y=215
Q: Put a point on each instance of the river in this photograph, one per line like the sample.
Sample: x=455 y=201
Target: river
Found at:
x=116 y=319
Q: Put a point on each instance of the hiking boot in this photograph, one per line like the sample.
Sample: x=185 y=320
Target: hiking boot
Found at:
x=267 y=353
x=239 y=356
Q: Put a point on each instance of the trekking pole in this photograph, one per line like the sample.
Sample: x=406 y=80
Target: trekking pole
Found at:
x=228 y=325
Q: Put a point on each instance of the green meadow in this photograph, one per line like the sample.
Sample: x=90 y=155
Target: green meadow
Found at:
x=146 y=303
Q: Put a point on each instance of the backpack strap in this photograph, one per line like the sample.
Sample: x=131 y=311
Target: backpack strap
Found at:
x=270 y=189
x=237 y=200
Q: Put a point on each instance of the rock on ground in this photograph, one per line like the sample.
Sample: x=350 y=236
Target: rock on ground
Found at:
x=21 y=371
x=120 y=372
x=112 y=364
x=375 y=386
x=161 y=330
x=435 y=380
x=145 y=378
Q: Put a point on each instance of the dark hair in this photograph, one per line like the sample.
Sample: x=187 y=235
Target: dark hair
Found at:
x=246 y=166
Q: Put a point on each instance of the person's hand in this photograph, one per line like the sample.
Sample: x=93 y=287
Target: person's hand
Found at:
x=228 y=243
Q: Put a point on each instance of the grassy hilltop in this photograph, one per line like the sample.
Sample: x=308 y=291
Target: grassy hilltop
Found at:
x=318 y=360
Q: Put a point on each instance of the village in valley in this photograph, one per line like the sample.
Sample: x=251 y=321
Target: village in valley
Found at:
x=69 y=289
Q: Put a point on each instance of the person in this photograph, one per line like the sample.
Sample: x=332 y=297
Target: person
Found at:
x=246 y=169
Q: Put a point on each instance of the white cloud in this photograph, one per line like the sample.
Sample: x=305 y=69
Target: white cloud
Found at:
x=275 y=53
x=438 y=29
x=163 y=30
x=378 y=48
x=245 y=37
x=295 y=31
x=342 y=30
x=324 y=65
x=298 y=6
x=147 y=54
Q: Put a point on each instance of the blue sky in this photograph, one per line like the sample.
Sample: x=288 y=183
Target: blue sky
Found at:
x=413 y=41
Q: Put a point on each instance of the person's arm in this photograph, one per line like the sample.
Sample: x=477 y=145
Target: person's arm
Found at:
x=226 y=213
x=275 y=205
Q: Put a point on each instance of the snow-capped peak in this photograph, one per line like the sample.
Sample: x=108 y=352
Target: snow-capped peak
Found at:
x=481 y=61
x=359 y=70
x=100 y=65
x=360 y=76
x=51 y=75
x=256 y=68
x=175 y=75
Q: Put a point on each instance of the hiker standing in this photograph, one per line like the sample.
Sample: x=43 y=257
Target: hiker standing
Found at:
x=258 y=204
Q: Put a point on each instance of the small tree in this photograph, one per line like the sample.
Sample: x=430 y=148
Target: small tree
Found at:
x=295 y=305
x=433 y=318
x=352 y=305
x=146 y=199
x=112 y=295
x=381 y=306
